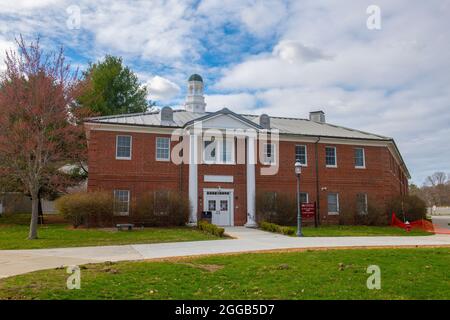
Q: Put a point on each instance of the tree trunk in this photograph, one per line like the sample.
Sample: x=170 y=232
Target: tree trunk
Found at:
x=40 y=212
x=34 y=216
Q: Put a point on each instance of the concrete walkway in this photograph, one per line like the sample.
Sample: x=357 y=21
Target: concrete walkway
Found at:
x=14 y=262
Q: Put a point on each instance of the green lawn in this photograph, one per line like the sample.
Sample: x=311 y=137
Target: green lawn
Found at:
x=14 y=232
x=357 y=231
x=335 y=274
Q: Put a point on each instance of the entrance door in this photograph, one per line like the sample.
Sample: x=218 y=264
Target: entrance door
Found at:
x=220 y=204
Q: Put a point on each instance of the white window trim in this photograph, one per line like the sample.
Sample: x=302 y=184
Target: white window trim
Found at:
x=127 y=213
x=335 y=158
x=267 y=163
x=117 y=146
x=306 y=154
x=364 y=159
x=156 y=149
x=331 y=213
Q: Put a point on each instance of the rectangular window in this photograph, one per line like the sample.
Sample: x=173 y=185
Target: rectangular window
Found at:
x=211 y=205
x=304 y=197
x=161 y=202
x=360 y=161
x=361 y=203
x=301 y=154
x=209 y=151
x=220 y=151
x=227 y=150
x=162 y=149
x=121 y=202
x=269 y=202
x=269 y=153
x=223 y=205
x=333 y=203
x=330 y=157
x=123 y=147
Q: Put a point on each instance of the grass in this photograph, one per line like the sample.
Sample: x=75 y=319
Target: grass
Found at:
x=358 y=231
x=14 y=232
x=420 y=273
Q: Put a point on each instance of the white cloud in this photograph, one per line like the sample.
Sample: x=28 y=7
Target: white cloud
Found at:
x=262 y=17
x=309 y=54
x=4 y=47
x=20 y=5
x=162 y=89
x=241 y=101
x=294 y=51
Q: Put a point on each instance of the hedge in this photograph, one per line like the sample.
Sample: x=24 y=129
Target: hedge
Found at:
x=408 y=207
x=279 y=208
x=210 y=228
x=86 y=208
x=164 y=209
x=272 y=227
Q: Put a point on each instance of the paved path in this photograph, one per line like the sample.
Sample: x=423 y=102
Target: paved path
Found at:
x=13 y=262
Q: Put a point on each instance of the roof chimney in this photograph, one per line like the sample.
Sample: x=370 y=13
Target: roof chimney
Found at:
x=166 y=115
x=264 y=121
x=317 y=116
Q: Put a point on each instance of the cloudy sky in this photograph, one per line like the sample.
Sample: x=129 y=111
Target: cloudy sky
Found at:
x=281 y=58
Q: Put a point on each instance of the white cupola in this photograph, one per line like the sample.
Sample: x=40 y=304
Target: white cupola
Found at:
x=195 y=101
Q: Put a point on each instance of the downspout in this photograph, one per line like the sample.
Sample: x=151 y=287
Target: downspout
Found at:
x=317 y=216
x=180 y=172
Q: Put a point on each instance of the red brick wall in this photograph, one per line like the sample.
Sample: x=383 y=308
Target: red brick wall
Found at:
x=381 y=180
x=140 y=174
x=378 y=179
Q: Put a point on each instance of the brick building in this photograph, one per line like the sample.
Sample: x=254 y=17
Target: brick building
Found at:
x=222 y=159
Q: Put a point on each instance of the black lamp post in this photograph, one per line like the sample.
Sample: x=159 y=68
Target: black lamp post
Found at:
x=298 y=171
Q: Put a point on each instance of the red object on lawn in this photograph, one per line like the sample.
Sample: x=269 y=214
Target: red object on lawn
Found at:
x=418 y=224
x=407 y=226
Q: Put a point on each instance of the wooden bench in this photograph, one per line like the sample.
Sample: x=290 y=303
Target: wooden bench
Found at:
x=127 y=226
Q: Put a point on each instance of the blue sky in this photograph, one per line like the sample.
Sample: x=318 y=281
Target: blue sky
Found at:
x=279 y=57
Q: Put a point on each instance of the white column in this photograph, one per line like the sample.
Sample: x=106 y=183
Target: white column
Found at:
x=251 y=187
x=193 y=178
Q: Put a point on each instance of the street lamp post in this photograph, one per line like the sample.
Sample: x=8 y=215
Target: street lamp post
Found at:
x=298 y=171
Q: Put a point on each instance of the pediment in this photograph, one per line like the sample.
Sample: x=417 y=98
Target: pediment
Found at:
x=225 y=121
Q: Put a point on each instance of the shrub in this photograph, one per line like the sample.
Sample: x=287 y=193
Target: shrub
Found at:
x=408 y=207
x=272 y=227
x=376 y=216
x=276 y=208
x=348 y=215
x=86 y=208
x=210 y=228
x=161 y=208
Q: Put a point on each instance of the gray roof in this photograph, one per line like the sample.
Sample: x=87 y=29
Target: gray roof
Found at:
x=297 y=126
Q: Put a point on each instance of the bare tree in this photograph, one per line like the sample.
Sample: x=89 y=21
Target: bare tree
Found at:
x=436 y=179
